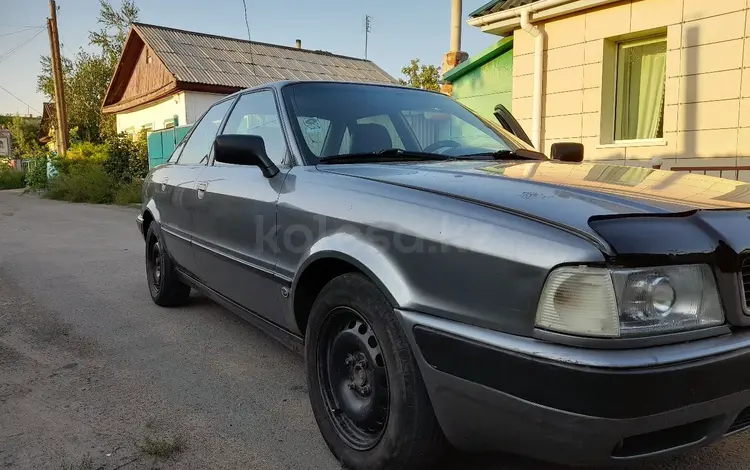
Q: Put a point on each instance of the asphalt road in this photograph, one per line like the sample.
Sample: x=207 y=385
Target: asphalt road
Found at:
x=92 y=374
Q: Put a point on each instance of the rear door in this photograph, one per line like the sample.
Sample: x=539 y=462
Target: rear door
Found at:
x=235 y=219
x=177 y=185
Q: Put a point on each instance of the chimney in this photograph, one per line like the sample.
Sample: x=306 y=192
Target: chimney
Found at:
x=299 y=44
x=455 y=56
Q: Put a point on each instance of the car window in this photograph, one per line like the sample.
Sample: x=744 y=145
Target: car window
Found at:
x=314 y=131
x=366 y=119
x=256 y=114
x=176 y=154
x=201 y=139
x=382 y=121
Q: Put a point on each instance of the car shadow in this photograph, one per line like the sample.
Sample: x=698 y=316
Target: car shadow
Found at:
x=495 y=461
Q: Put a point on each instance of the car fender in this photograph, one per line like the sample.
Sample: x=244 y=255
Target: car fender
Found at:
x=366 y=256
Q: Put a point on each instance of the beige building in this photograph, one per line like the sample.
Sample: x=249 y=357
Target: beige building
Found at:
x=631 y=80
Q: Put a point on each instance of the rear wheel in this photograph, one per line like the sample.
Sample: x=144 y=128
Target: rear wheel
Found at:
x=366 y=391
x=163 y=281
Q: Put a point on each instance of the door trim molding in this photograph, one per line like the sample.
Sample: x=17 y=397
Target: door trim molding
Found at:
x=269 y=273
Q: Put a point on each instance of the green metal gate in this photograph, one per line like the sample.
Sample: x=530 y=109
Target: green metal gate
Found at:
x=162 y=143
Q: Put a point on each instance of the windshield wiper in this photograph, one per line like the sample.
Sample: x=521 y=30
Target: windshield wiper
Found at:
x=385 y=155
x=523 y=154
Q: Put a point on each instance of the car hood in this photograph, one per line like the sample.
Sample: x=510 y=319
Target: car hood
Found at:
x=565 y=193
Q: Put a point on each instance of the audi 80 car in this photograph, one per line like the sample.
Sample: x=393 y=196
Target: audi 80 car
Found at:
x=449 y=285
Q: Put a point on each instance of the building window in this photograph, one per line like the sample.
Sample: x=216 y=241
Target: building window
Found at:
x=640 y=82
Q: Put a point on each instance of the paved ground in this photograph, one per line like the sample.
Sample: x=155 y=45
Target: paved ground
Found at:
x=94 y=376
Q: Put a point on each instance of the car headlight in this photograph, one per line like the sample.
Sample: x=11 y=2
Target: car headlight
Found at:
x=612 y=303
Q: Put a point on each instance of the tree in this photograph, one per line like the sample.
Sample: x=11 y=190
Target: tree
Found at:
x=422 y=76
x=87 y=75
x=115 y=26
x=25 y=134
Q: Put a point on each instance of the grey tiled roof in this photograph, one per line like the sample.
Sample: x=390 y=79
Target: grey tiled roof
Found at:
x=499 y=5
x=215 y=60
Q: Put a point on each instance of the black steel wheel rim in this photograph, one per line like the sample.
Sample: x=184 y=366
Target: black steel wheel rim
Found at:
x=353 y=378
x=154 y=266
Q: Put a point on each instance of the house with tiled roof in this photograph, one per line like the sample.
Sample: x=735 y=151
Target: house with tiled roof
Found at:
x=168 y=77
x=635 y=81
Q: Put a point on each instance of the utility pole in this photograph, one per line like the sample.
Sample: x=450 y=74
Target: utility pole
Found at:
x=61 y=137
x=368 y=30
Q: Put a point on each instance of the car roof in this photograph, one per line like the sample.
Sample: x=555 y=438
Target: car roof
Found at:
x=284 y=83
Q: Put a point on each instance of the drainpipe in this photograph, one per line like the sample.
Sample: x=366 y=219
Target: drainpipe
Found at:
x=536 y=116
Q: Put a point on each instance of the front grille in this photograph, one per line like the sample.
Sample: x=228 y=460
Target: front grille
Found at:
x=745 y=284
x=742 y=421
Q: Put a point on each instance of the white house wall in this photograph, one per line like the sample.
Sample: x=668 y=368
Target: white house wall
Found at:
x=154 y=115
x=187 y=106
x=198 y=103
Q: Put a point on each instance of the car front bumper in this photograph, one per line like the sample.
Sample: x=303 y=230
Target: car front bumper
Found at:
x=139 y=222
x=497 y=392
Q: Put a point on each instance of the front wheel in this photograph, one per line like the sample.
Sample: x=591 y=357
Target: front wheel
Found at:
x=365 y=388
x=163 y=282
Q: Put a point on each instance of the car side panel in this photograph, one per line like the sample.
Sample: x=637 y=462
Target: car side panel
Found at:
x=172 y=189
x=428 y=252
x=235 y=225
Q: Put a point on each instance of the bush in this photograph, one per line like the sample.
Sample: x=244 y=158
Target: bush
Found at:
x=127 y=159
x=10 y=178
x=36 y=176
x=129 y=193
x=83 y=182
x=88 y=151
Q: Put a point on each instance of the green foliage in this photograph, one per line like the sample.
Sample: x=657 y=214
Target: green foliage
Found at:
x=25 y=133
x=83 y=182
x=87 y=75
x=101 y=173
x=115 y=23
x=128 y=159
x=129 y=193
x=10 y=178
x=422 y=76
x=36 y=176
x=89 y=151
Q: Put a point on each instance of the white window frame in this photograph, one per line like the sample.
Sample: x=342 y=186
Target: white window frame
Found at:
x=611 y=65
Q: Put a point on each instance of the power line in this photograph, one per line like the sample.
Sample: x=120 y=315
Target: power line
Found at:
x=21 y=25
x=249 y=38
x=19 y=99
x=15 y=49
x=21 y=30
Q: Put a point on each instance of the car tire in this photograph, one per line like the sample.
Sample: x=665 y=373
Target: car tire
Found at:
x=163 y=281
x=354 y=341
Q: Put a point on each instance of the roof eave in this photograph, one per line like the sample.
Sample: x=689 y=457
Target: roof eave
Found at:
x=118 y=67
x=504 y=22
x=479 y=60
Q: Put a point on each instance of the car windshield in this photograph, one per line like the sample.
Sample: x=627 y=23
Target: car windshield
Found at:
x=331 y=120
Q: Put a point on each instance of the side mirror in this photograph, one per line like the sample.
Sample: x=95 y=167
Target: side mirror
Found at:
x=241 y=149
x=567 y=152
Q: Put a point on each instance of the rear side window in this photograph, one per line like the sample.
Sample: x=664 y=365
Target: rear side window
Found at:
x=201 y=140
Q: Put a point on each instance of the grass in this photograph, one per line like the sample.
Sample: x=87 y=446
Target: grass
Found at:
x=160 y=447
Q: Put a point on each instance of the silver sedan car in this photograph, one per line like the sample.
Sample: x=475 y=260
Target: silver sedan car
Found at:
x=449 y=285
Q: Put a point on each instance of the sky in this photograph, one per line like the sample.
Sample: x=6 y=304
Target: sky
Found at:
x=401 y=30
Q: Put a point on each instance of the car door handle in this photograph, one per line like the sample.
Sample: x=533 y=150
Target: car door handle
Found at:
x=164 y=183
x=201 y=189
